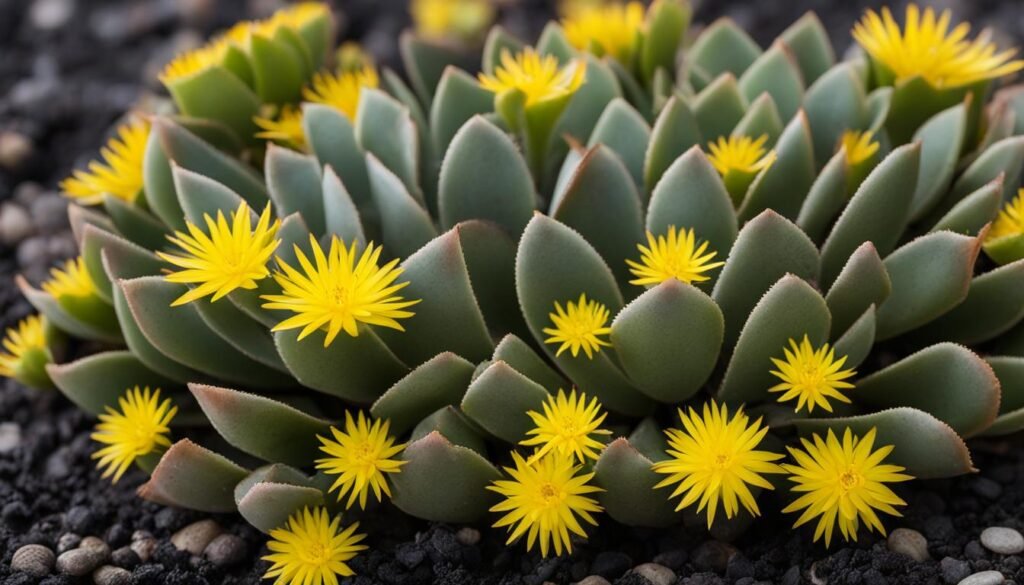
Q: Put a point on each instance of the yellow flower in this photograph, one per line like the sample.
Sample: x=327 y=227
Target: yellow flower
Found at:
x=926 y=47
x=740 y=153
x=860 y=146
x=812 y=376
x=567 y=427
x=71 y=281
x=360 y=457
x=843 y=483
x=312 y=549
x=341 y=90
x=20 y=341
x=538 y=77
x=607 y=29
x=443 y=19
x=341 y=291
x=299 y=14
x=229 y=257
x=1010 y=221
x=715 y=458
x=139 y=429
x=543 y=501
x=579 y=326
x=677 y=256
x=120 y=171
x=286 y=128
x=197 y=60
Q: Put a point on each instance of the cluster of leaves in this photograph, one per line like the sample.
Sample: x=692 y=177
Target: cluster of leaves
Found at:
x=843 y=203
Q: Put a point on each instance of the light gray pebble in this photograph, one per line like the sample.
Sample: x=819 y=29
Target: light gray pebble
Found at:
x=226 y=550
x=110 y=575
x=594 y=580
x=49 y=213
x=141 y=535
x=32 y=252
x=144 y=547
x=97 y=546
x=15 y=224
x=34 y=559
x=467 y=536
x=1002 y=540
x=194 y=537
x=10 y=437
x=908 y=542
x=15 y=149
x=984 y=578
x=26 y=192
x=655 y=573
x=51 y=14
x=78 y=562
x=68 y=541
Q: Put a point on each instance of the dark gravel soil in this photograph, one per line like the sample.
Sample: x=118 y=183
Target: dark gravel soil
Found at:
x=70 y=68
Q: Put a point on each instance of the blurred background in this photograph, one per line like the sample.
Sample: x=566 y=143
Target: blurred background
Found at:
x=70 y=68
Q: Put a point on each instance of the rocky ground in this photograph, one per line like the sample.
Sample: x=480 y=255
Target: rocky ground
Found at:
x=70 y=68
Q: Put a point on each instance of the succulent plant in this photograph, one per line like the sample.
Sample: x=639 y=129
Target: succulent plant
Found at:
x=452 y=254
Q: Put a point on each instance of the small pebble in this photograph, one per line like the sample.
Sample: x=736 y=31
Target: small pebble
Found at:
x=1005 y=541
x=78 y=562
x=144 y=548
x=15 y=148
x=125 y=557
x=655 y=573
x=226 y=550
x=80 y=519
x=68 y=541
x=108 y=575
x=196 y=536
x=467 y=536
x=97 y=546
x=954 y=570
x=10 y=433
x=910 y=543
x=791 y=576
x=713 y=556
x=594 y=580
x=34 y=559
x=611 y=564
x=986 y=488
x=141 y=535
x=984 y=578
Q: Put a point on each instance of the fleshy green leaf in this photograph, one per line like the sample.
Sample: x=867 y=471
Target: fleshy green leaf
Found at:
x=994 y=304
x=930 y=276
x=857 y=340
x=341 y=216
x=602 y=204
x=132 y=260
x=498 y=400
x=354 y=368
x=767 y=248
x=624 y=473
x=724 y=47
x=180 y=333
x=789 y=310
x=193 y=477
x=458 y=99
x=675 y=132
x=555 y=263
x=948 y=381
x=261 y=426
x=448 y=317
x=406 y=226
x=762 y=118
x=515 y=352
x=98 y=380
x=877 y=213
x=775 y=72
x=809 y=42
x=332 y=139
x=135 y=223
x=835 y=103
x=294 y=182
x=622 y=129
x=862 y=282
x=942 y=138
x=826 y=198
x=784 y=185
x=268 y=505
x=385 y=129
x=485 y=177
x=691 y=195
x=434 y=384
x=443 y=482
x=719 y=107
x=927 y=447
x=974 y=211
x=668 y=340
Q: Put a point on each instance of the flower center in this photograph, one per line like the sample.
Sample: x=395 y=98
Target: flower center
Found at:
x=548 y=492
x=850 y=479
x=722 y=461
x=340 y=295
